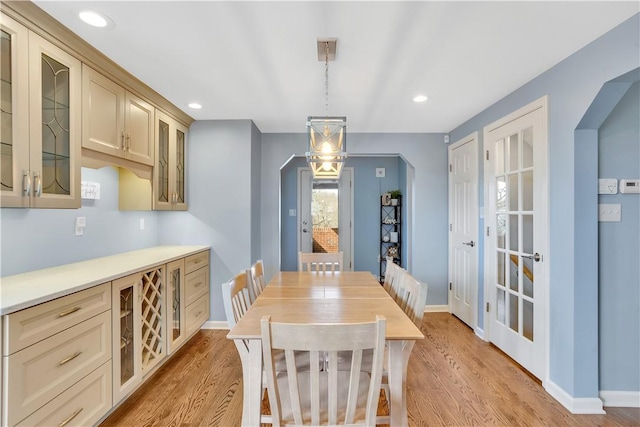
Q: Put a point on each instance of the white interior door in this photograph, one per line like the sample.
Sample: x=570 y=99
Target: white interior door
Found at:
x=516 y=274
x=309 y=212
x=463 y=229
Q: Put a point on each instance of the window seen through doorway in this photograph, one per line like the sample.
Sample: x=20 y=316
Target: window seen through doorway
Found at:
x=324 y=215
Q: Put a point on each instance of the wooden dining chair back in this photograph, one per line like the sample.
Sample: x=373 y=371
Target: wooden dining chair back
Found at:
x=413 y=298
x=393 y=285
x=235 y=296
x=323 y=396
x=320 y=261
x=255 y=276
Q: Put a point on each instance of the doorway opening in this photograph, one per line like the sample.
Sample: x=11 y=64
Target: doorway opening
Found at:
x=325 y=220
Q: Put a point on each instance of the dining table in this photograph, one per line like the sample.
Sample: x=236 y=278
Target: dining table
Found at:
x=324 y=297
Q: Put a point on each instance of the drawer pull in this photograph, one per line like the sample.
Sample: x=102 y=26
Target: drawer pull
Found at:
x=197 y=261
x=69 y=359
x=197 y=285
x=68 y=312
x=198 y=314
x=68 y=420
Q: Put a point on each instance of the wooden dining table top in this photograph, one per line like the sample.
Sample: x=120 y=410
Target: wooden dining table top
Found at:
x=325 y=297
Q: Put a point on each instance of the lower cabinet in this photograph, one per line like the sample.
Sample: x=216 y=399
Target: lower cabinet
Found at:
x=49 y=350
x=71 y=360
x=138 y=328
x=176 y=326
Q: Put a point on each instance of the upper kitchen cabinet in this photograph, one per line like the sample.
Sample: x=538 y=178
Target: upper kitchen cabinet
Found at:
x=41 y=121
x=169 y=171
x=115 y=121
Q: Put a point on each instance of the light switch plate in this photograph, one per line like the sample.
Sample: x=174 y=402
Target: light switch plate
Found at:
x=609 y=212
x=607 y=186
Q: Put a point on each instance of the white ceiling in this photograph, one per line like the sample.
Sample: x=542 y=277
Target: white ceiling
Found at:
x=258 y=60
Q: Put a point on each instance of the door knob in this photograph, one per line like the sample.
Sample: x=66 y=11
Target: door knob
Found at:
x=304 y=230
x=536 y=257
x=469 y=243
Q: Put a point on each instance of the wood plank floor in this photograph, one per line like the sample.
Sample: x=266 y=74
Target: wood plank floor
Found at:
x=454 y=379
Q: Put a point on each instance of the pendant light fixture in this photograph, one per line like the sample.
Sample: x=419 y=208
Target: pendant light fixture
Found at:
x=327 y=135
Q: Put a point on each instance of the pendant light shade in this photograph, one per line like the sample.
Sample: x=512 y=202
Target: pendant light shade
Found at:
x=327 y=146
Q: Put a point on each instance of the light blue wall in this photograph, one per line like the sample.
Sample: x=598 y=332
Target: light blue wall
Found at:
x=571 y=86
x=366 y=200
x=219 y=182
x=619 y=250
x=33 y=239
x=427 y=156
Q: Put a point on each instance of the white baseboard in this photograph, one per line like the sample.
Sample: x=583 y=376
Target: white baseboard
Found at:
x=575 y=405
x=215 y=324
x=436 y=308
x=479 y=333
x=620 y=399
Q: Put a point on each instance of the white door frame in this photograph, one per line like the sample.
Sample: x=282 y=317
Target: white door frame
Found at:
x=543 y=172
x=473 y=280
x=345 y=222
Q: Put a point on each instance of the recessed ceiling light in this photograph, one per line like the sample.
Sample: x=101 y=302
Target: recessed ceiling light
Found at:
x=195 y=106
x=96 y=19
x=419 y=98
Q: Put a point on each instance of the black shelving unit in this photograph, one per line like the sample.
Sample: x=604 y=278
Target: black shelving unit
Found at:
x=390 y=244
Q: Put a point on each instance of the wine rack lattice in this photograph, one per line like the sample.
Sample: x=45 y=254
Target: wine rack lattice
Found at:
x=152 y=320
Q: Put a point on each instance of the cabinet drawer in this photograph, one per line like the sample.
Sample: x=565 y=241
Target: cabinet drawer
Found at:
x=196 y=261
x=83 y=404
x=26 y=327
x=40 y=372
x=196 y=285
x=197 y=314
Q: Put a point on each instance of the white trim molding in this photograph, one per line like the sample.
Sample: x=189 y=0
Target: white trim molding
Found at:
x=620 y=399
x=575 y=405
x=215 y=324
x=443 y=308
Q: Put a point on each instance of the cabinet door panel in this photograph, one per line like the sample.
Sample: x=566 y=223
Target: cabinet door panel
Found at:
x=55 y=125
x=14 y=98
x=102 y=113
x=140 y=116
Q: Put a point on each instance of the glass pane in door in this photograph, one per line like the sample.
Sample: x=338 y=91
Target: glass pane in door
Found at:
x=180 y=166
x=56 y=165
x=6 y=113
x=126 y=334
x=163 y=161
x=324 y=217
x=175 y=304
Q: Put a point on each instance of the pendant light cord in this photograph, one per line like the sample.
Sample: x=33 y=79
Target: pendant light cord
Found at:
x=326 y=77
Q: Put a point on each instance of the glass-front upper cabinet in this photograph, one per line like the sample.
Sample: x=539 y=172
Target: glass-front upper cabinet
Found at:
x=55 y=125
x=41 y=121
x=14 y=111
x=169 y=173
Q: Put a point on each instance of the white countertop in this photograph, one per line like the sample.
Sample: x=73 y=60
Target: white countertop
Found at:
x=28 y=289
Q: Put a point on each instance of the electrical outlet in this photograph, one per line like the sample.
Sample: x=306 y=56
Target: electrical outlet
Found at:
x=80 y=224
x=380 y=172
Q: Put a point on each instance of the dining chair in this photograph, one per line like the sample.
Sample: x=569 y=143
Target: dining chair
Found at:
x=255 y=275
x=413 y=298
x=320 y=261
x=393 y=277
x=235 y=296
x=318 y=396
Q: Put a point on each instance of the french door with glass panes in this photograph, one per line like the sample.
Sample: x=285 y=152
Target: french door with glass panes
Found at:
x=516 y=238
